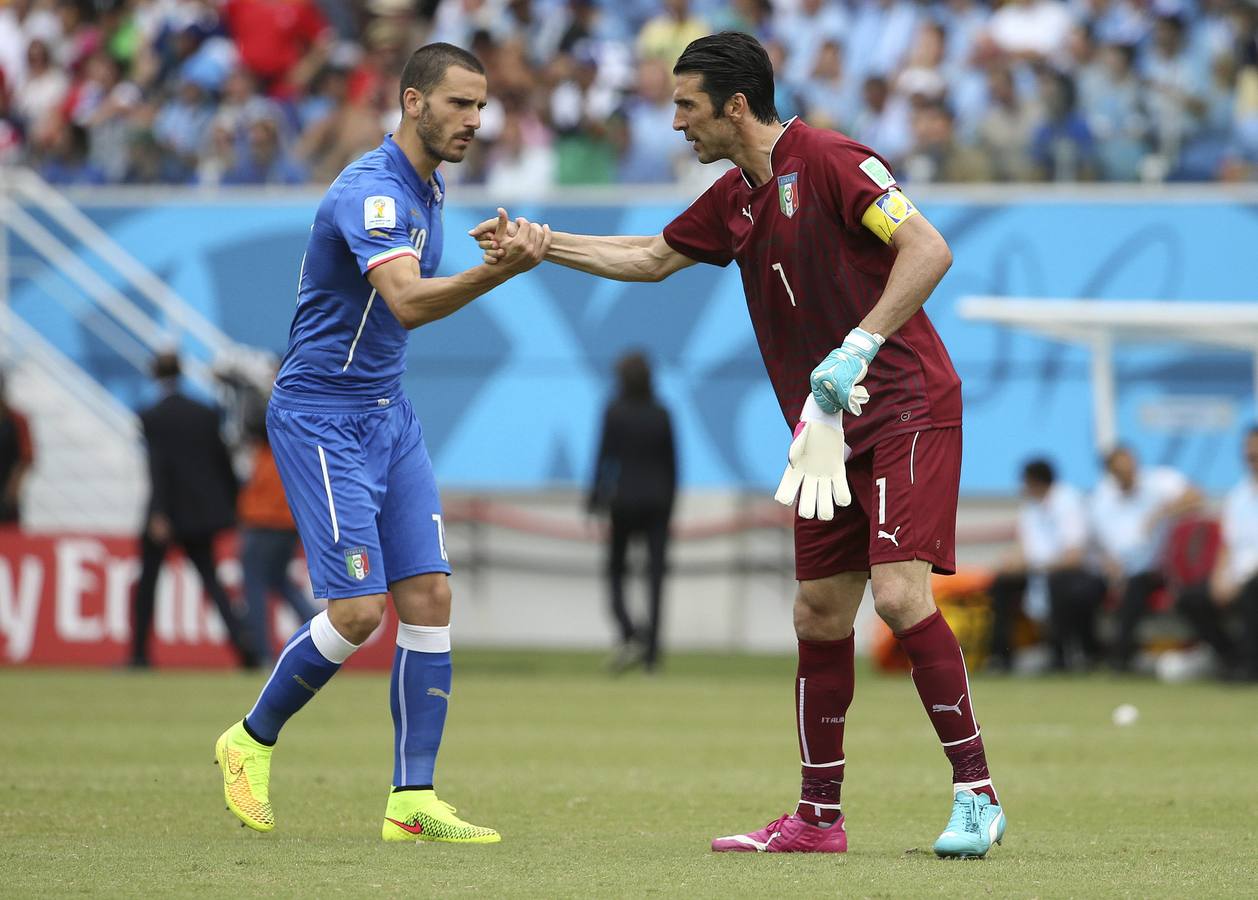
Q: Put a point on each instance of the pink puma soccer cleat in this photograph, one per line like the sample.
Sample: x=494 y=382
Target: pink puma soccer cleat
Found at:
x=788 y=834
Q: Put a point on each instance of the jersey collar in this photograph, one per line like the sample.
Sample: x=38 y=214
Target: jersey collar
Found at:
x=427 y=190
x=785 y=128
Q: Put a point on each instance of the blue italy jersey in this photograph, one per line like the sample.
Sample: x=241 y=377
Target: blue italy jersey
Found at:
x=345 y=342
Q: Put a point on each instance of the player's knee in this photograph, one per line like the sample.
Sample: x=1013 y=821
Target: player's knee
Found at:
x=357 y=617
x=424 y=600
x=821 y=612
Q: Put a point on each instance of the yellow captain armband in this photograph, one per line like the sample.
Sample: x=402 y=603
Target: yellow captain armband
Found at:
x=888 y=213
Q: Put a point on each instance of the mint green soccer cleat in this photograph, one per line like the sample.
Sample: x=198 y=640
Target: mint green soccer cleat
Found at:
x=976 y=824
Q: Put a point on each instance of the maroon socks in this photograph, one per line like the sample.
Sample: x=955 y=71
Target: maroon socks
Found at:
x=944 y=687
x=823 y=692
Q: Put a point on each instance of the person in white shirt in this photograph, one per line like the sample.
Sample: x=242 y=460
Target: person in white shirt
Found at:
x=1133 y=508
x=1232 y=590
x=1047 y=577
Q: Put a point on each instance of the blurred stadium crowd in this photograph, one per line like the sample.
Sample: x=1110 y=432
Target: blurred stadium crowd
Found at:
x=253 y=92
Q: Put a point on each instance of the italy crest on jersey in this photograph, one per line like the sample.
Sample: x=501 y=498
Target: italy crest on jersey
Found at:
x=788 y=194
x=356 y=563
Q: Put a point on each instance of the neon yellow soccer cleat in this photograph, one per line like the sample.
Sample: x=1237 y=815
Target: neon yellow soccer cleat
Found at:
x=246 y=766
x=420 y=816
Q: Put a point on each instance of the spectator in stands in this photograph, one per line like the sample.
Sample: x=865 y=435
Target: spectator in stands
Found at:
x=937 y=155
x=1230 y=597
x=265 y=161
x=828 y=98
x=17 y=455
x=635 y=482
x=883 y=121
x=192 y=498
x=663 y=37
x=1062 y=145
x=268 y=536
x=1116 y=115
x=649 y=113
x=1031 y=30
x=1131 y=512
x=282 y=42
x=44 y=87
x=1176 y=88
x=1004 y=133
x=522 y=159
x=66 y=161
x=805 y=30
x=1047 y=578
x=583 y=115
x=182 y=123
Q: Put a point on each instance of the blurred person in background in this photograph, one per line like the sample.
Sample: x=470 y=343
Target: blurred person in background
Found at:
x=42 y=90
x=936 y=154
x=635 y=484
x=192 y=497
x=1131 y=512
x=1176 y=83
x=648 y=112
x=1047 y=579
x=265 y=160
x=1004 y=132
x=1062 y=145
x=1116 y=115
x=884 y=120
x=666 y=35
x=1032 y=31
x=805 y=29
x=282 y=42
x=522 y=159
x=828 y=98
x=17 y=455
x=1224 y=610
x=268 y=534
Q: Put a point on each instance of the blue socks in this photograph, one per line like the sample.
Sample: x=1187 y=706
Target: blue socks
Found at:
x=419 y=694
x=310 y=658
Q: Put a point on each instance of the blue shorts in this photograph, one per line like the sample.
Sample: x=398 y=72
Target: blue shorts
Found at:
x=360 y=485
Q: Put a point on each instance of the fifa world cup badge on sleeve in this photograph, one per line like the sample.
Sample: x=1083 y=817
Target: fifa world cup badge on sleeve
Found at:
x=379 y=212
x=788 y=194
x=356 y=563
x=877 y=172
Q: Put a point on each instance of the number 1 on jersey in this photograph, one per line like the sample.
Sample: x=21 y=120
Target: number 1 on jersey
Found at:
x=786 y=284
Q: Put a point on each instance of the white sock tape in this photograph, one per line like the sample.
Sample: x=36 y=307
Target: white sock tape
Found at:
x=424 y=638
x=328 y=641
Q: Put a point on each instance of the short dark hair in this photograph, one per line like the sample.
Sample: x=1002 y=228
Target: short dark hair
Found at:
x=732 y=63
x=166 y=366
x=1039 y=471
x=427 y=67
x=633 y=372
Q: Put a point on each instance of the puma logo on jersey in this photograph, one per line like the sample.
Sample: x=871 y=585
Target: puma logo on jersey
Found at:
x=954 y=707
x=747 y=212
x=892 y=536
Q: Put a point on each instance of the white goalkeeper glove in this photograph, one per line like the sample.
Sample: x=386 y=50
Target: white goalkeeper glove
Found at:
x=816 y=471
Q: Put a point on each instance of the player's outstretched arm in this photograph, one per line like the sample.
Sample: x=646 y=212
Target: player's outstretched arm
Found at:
x=921 y=259
x=416 y=301
x=621 y=257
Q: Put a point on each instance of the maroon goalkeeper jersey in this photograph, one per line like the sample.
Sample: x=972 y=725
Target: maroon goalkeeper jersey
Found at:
x=812 y=271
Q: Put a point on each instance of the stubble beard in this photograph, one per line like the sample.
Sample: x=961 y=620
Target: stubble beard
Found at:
x=433 y=141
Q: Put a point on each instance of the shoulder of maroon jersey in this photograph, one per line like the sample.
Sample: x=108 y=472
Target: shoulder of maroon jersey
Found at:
x=825 y=139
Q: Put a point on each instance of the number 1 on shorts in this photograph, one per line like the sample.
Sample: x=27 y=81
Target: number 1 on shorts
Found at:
x=882 y=500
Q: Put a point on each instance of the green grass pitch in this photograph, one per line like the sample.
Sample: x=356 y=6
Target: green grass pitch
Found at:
x=614 y=787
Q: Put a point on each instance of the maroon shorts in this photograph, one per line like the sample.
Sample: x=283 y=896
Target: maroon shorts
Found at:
x=904 y=506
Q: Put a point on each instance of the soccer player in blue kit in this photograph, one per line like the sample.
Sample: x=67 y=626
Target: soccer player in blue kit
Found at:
x=351 y=452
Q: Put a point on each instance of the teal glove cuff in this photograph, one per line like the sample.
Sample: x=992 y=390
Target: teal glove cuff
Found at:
x=864 y=344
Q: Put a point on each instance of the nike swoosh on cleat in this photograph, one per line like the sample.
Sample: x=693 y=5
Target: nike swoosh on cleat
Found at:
x=413 y=829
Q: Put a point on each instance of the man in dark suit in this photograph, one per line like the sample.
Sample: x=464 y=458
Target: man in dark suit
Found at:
x=193 y=497
x=635 y=480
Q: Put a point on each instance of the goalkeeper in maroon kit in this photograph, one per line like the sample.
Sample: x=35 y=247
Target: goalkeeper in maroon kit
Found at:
x=836 y=264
